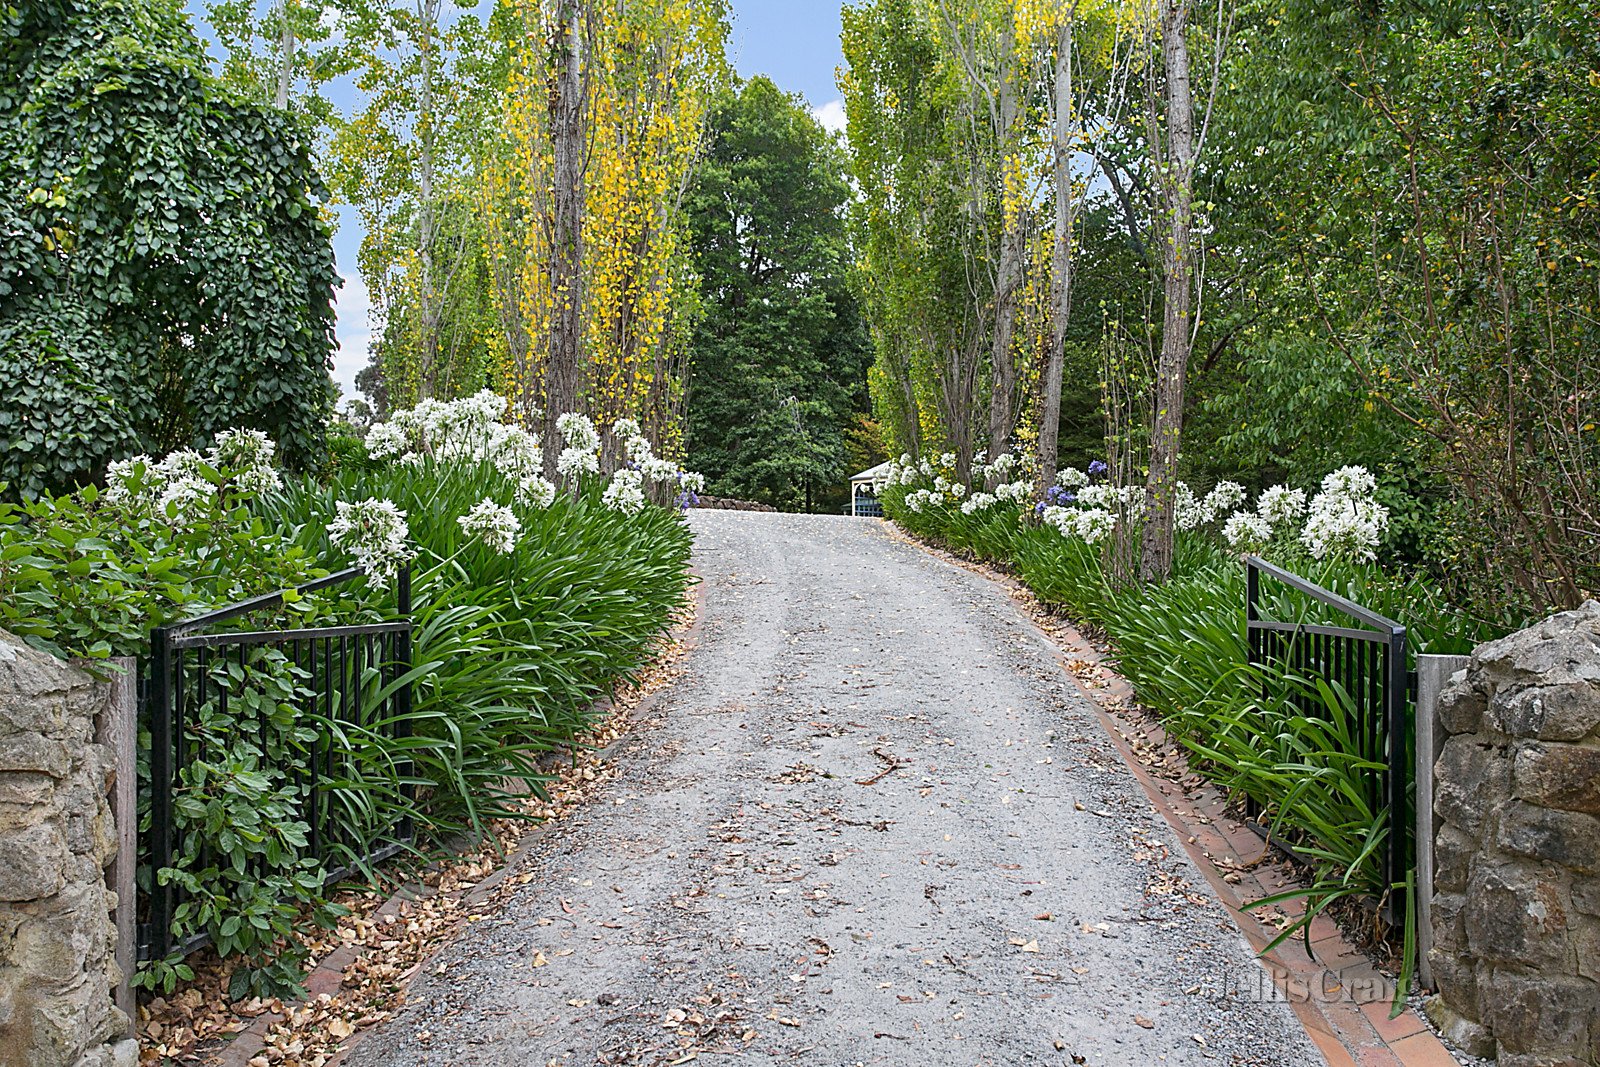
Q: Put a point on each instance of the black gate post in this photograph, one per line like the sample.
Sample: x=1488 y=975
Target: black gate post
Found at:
x=161 y=771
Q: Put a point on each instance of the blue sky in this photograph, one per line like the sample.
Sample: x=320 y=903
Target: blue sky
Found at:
x=795 y=43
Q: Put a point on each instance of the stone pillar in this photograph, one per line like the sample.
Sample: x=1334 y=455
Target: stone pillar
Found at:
x=1516 y=903
x=57 y=940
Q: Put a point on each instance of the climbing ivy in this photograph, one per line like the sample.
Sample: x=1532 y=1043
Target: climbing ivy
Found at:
x=165 y=271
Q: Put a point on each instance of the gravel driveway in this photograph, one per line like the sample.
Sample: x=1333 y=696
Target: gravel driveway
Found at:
x=874 y=823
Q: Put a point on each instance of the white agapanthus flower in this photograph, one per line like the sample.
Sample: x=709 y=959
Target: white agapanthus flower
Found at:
x=485 y=406
x=375 y=535
x=626 y=429
x=536 y=491
x=639 y=449
x=180 y=495
x=514 y=450
x=692 y=482
x=1094 y=525
x=577 y=460
x=1223 y=498
x=1350 y=482
x=1247 y=531
x=935 y=500
x=948 y=460
x=1280 y=505
x=655 y=469
x=1188 y=511
x=977 y=502
x=1017 y=491
x=958 y=490
x=578 y=432
x=386 y=439
x=496 y=526
x=625 y=492
x=941 y=484
x=128 y=478
x=247 y=456
x=1071 y=478
x=1345 y=519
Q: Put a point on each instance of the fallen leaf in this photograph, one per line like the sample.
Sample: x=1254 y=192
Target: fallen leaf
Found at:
x=1142 y=1021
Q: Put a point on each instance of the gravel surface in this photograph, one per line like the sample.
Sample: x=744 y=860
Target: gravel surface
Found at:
x=874 y=823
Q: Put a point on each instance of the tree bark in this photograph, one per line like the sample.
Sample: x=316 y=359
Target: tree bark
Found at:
x=566 y=245
x=431 y=307
x=1060 y=259
x=1176 y=172
x=1008 y=279
x=286 y=44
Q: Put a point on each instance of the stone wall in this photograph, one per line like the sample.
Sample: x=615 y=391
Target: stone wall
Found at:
x=57 y=940
x=728 y=503
x=1516 y=906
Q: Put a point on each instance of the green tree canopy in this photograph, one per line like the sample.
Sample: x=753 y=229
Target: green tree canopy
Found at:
x=165 y=272
x=780 y=358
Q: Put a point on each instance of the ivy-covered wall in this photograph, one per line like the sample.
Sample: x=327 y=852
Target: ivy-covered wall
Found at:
x=165 y=269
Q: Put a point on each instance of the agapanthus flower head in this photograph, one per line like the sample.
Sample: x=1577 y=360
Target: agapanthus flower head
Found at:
x=246 y=457
x=1059 y=496
x=1097 y=467
x=1281 y=505
x=536 y=491
x=375 y=535
x=1188 y=511
x=1345 y=526
x=1093 y=525
x=948 y=460
x=659 y=470
x=496 y=526
x=1223 y=498
x=1071 y=478
x=576 y=461
x=625 y=492
x=130 y=480
x=978 y=502
x=514 y=450
x=578 y=432
x=692 y=482
x=1350 y=482
x=626 y=429
x=1247 y=531
x=386 y=439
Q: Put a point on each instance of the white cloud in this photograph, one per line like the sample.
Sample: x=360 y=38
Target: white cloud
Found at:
x=354 y=334
x=831 y=115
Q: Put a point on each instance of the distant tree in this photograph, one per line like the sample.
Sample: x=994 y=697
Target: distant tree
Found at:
x=780 y=357
x=165 y=271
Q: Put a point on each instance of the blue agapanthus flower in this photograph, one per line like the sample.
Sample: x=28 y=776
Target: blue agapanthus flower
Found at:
x=1097 y=466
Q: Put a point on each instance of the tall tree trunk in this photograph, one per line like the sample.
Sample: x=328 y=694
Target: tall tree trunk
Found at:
x=1008 y=279
x=1060 y=258
x=1176 y=172
x=566 y=244
x=431 y=307
x=286 y=43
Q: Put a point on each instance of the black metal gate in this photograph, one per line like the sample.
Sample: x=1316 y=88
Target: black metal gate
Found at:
x=351 y=675
x=1368 y=661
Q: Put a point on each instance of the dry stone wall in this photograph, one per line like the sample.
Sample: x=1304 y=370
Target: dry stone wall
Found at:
x=57 y=940
x=1516 y=906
